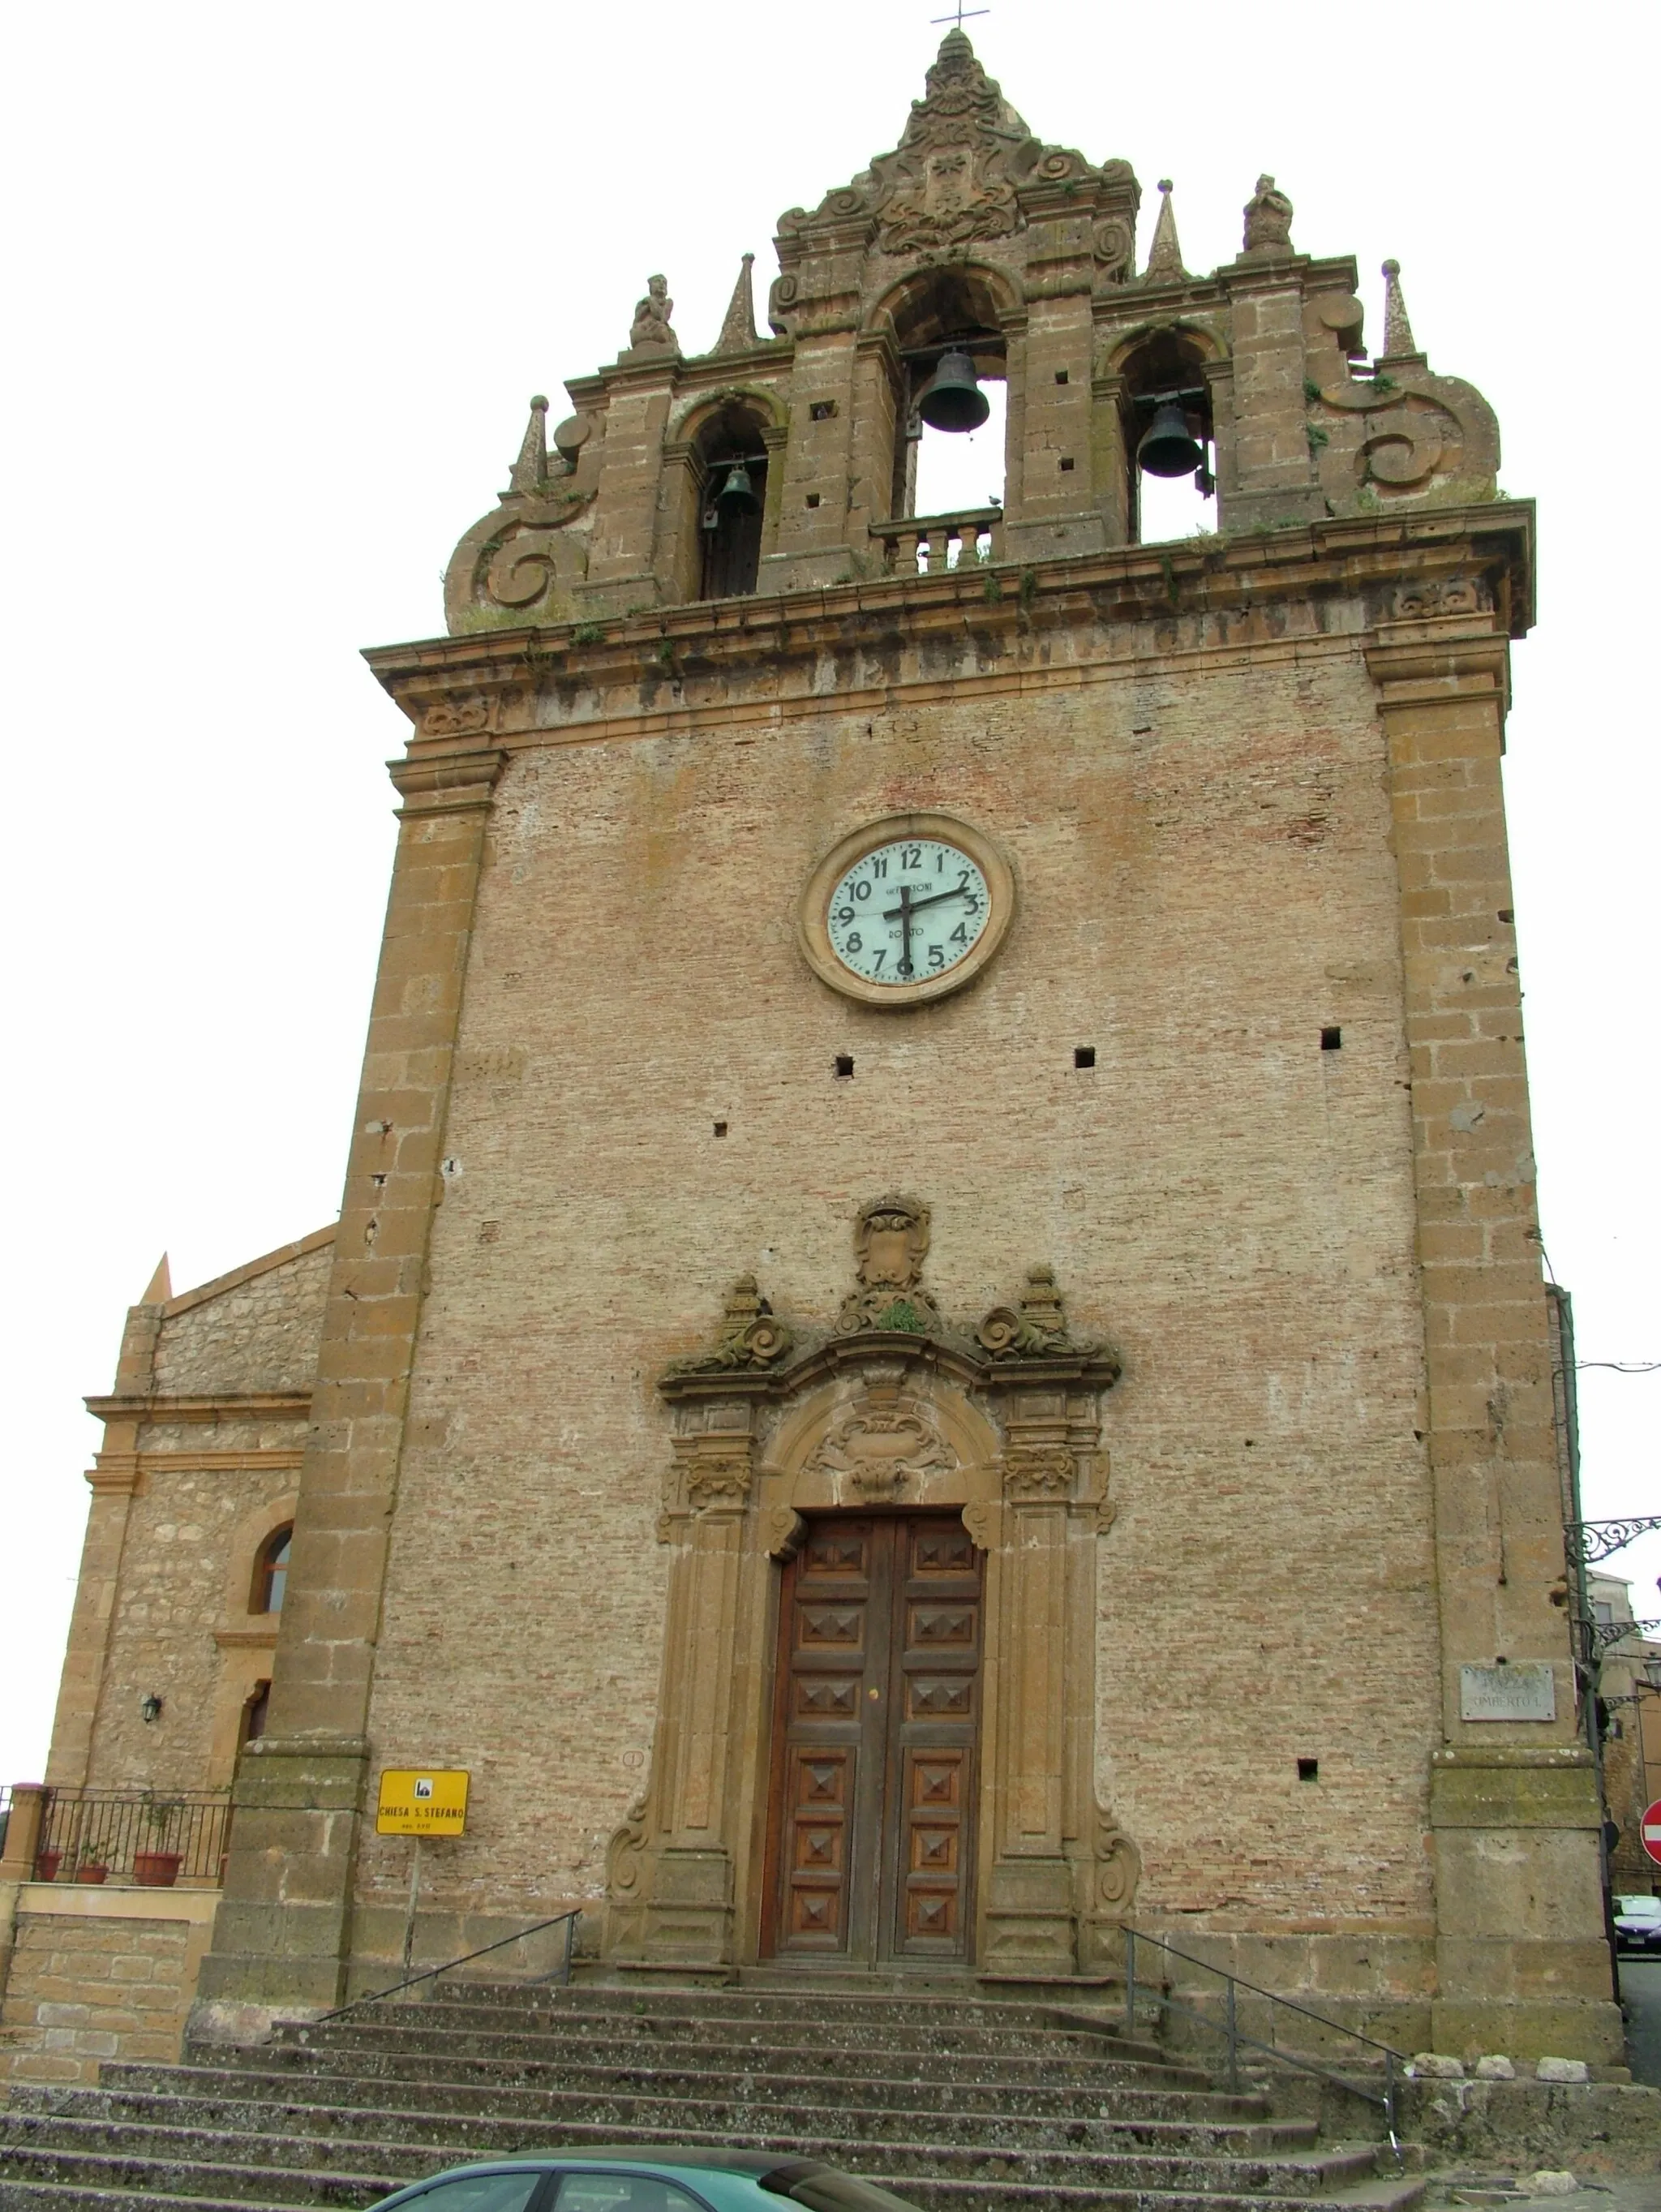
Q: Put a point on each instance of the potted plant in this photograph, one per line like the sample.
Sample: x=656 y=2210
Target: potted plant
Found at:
x=156 y=1867
x=91 y=1869
x=46 y=1864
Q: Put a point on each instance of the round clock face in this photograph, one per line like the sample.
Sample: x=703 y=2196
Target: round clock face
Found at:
x=909 y=910
x=905 y=909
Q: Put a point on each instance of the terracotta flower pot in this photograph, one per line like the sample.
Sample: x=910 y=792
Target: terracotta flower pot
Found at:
x=90 y=1870
x=156 y=1870
x=46 y=1865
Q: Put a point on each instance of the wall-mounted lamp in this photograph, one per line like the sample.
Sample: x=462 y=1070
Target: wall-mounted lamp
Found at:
x=149 y=1708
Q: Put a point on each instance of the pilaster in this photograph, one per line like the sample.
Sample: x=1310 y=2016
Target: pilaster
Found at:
x=283 y=1929
x=1522 y=1965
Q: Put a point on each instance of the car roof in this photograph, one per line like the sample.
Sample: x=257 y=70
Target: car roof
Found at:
x=752 y=2163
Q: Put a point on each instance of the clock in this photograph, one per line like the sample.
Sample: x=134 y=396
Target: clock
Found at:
x=905 y=909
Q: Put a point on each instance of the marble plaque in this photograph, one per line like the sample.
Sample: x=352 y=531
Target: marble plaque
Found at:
x=1508 y=1693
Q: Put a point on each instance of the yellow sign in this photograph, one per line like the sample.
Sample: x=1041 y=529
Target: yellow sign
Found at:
x=422 y=1801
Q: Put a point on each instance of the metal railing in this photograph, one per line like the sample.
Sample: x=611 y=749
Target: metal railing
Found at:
x=142 y=1838
x=1391 y=2064
x=929 y=544
x=560 y=1972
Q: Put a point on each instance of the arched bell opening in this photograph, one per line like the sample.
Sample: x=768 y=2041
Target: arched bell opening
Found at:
x=949 y=412
x=1167 y=418
x=733 y=499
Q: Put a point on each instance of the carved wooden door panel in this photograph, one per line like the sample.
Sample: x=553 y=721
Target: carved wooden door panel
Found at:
x=875 y=1718
x=934 y=1722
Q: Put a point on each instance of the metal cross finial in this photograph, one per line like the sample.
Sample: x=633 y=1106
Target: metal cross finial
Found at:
x=962 y=12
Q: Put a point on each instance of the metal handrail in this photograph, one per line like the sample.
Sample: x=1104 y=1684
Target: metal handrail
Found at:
x=1395 y=2062
x=431 y=1973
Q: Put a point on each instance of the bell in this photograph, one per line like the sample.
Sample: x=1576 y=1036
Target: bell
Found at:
x=953 y=400
x=737 y=494
x=1170 y=448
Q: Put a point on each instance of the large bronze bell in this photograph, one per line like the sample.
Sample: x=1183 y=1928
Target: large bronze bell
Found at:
x=737 y=494
x=953 y=399
x=1170 y=448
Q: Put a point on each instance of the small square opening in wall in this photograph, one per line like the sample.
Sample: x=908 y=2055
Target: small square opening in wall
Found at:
x=720 y=1128
x=1084 y=1055
x=1061 y=376
x=842 y=1065
x=1331 y=1040
x=813 y=499
x=1066 y=464
x=1309 y=1769
x=822 y=410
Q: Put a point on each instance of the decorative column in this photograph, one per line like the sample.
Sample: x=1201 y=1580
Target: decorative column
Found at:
x=1522 y=1962
x=283 y=1931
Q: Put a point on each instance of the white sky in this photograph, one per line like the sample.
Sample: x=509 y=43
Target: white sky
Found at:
x=281 y=283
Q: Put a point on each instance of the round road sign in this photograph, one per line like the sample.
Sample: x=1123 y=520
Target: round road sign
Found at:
x=1649 y=1829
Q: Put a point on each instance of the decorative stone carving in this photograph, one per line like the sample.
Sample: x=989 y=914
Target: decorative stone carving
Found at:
x=1036 y=1471
x=1165 y=255
x=1036 y=1327
x=738 y=331
x=782 y=1531
x=890 y=1243
x=529 y=477
x=625 y=1857
x=881 y=1448
x=455 y=718
x=948 y=180
x=651 y=326
x=1398 y=331
x=1113 y=243
x=984 y=1521
x=1268 y=220
x=1448 y=595
x=749 y=1336
x=718 y=1478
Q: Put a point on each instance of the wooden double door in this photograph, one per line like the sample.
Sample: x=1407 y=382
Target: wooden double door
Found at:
x=877 y=1722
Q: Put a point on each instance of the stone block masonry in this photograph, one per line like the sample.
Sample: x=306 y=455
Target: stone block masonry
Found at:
x=97 y=1975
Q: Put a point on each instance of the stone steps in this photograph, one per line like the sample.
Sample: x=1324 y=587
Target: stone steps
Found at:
x=960 y=2105
x=493 y=2133
x=479 y=2086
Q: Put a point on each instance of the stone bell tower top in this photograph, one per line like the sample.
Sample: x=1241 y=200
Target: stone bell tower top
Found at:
x=787 y=462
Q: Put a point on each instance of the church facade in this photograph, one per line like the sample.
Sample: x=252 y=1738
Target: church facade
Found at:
x=935 y=1343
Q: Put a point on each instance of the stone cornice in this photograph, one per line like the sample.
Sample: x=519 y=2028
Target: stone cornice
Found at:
x=217 y=1406
x=973 y=1370
x=668 y=664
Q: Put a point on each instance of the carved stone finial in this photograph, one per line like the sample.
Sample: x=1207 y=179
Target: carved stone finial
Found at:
x=1036 y=1327
x=890 y=1243
x=1165 y=255
x=1398 y=331
x=650 y=323
x=528 y=478
x=749 y=1336
x=1268 y=220
x=738 y=331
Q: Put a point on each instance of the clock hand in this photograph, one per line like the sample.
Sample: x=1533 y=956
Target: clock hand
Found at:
x=904 y=912
x=916 y=906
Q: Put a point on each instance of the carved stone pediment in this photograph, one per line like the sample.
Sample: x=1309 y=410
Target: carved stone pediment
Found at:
x=956 y=174
x=748 y=1337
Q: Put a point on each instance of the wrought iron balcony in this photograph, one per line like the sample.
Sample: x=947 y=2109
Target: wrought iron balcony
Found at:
x=141 y=1838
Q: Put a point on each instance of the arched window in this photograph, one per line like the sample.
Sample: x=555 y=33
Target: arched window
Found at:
x=1166 y=393
x=734 y=495
x=947 y=311
x=272 y=1570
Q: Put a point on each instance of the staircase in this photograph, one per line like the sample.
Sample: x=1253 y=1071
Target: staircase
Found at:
x=960 y=2105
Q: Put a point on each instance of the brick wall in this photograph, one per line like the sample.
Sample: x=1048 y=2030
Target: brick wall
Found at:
x=1206 y=882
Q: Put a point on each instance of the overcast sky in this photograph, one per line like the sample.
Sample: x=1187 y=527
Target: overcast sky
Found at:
x=281 y=282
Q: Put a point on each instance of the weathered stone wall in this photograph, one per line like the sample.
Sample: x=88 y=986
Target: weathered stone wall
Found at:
x=186 y=1580
x=109 y=1982
x=260 y=1333
x=1205 y=882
